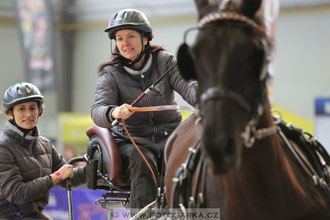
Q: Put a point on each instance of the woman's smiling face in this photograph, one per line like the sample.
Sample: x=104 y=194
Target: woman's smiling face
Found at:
x=25 y=114
x=129 y=43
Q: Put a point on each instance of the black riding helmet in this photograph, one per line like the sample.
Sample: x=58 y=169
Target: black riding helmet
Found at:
x=20 y=93
x=129 y=19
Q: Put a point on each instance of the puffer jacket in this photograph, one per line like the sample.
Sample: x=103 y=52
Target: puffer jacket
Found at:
x=117 y=85
x=25 y=166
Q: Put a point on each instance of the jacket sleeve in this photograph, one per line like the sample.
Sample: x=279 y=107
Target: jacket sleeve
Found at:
x=79 y=176
x=187 y=89
x=12 y=186
x=106 y=98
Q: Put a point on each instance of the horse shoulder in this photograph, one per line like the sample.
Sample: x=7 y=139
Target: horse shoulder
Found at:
x=184 y=134
x=176 y=149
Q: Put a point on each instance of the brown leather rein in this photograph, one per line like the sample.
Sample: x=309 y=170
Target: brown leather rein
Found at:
x=149 y=109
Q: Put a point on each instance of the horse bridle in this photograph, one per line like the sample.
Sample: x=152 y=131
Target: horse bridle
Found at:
x=215 y=93
x=184 y=174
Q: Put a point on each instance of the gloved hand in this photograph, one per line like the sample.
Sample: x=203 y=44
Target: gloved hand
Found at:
x=88 y=171
x=91 y=175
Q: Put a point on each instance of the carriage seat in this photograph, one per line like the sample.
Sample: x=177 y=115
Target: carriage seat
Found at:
x=103 y=148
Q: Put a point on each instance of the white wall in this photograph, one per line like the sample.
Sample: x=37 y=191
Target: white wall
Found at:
x=302 y=61
x=11 y=61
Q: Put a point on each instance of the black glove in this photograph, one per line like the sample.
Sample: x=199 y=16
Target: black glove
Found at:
x=91 y=174
x=87 y=172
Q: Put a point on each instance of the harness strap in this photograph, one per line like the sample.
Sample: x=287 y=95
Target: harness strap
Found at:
x=182 y=181
x=315 y=161
x=310 y=148
x=299 y=157
x=197 y=201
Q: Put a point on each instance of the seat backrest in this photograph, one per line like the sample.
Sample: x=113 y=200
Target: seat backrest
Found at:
x=110 y=164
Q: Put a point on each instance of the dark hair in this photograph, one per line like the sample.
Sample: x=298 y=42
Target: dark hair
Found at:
x=116 y=58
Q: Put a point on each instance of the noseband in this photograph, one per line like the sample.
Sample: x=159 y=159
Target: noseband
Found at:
x=216 y=93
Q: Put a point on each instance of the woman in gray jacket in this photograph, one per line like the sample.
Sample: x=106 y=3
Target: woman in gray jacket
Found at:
x=29 y=164
x=132 y=68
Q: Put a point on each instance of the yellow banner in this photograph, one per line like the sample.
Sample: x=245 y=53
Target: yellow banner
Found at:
x=73 y=127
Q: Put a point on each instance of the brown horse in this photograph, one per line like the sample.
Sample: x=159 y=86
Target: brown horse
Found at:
x=232 y=155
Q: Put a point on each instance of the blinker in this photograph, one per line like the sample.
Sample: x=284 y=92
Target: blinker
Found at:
x=186 y=62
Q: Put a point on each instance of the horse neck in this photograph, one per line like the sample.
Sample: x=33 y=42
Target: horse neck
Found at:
x=271 y=153
x=268 y=174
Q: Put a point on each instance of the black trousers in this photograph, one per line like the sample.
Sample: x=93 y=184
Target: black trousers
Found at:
x=137 y=173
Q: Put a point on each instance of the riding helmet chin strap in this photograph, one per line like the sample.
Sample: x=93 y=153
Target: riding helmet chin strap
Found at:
x=25 y=131
x=130 y=63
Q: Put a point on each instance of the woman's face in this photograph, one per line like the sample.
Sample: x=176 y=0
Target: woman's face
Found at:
x=26 y=114
x=129 y=43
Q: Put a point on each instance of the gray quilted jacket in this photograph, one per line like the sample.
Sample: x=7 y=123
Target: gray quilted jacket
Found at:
x=117 y=85
x=25 y=163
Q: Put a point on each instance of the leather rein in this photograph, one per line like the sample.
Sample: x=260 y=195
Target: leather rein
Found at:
x=148 y=109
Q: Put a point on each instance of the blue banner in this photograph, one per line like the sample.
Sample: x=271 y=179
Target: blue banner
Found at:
x=322 y=106
x=83 y=204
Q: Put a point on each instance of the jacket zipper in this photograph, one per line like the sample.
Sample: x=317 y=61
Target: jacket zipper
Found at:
x=34 y=156
x=150 y=118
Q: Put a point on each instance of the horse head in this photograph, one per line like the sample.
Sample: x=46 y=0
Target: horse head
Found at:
x=228 y=59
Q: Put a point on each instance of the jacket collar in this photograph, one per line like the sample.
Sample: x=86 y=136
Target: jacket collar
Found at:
x=143 y=70
x=17 y=134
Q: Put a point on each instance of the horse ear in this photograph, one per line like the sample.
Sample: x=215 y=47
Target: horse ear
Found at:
x=186 y=62
x=206 y=6
x=250 y=7
x=200 y=5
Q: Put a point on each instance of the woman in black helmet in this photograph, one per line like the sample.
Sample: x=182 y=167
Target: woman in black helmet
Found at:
x=132 y=68
x=30 y=165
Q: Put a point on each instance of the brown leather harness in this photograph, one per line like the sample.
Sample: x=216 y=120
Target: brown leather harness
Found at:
x=312 y=158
